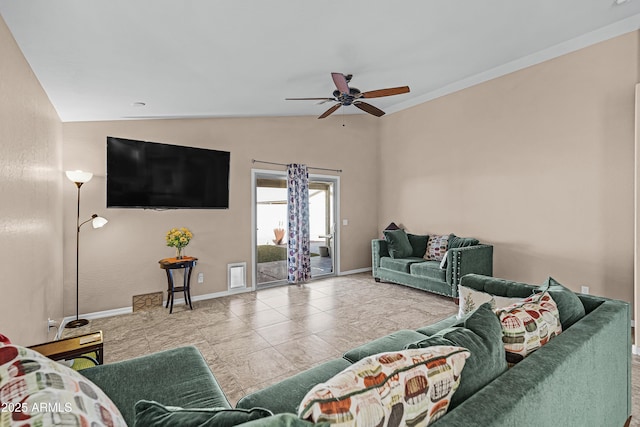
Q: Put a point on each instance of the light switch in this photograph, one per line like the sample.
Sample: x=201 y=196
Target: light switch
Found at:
x=345 y=222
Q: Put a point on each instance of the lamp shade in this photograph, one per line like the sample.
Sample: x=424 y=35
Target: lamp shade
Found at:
x=79 y=176
x=98 y=222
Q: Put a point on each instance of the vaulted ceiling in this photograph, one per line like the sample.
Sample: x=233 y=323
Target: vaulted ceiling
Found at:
x=229 y=58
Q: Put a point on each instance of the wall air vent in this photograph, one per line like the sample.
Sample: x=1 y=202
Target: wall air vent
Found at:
x=237 y=276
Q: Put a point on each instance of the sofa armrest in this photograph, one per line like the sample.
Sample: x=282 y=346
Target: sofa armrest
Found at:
x=379 y=249
x=472 y=259
x=176 y=377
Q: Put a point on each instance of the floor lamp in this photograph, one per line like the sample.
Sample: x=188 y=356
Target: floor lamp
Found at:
x=78 y=178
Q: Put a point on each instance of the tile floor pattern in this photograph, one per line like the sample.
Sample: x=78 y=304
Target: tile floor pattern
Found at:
x=255 y=339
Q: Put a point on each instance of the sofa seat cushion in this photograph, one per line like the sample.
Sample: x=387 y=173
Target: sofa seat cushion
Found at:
x=409 y=387
x=149 y=413
x=430 y=269
x=482 y=335
x=398 y=264
x=286 y=395
x=392 y=342
x=185 y=381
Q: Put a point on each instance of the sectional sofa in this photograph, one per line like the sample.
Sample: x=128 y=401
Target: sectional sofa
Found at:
x=581 y=377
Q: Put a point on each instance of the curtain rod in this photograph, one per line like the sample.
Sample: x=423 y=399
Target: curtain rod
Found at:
x=284 y=164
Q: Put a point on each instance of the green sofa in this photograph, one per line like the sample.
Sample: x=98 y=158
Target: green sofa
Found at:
x=582 y=377
x=418 y=273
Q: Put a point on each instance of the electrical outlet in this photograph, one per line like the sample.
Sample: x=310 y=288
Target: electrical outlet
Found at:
x=585 y=290
x=200 y=277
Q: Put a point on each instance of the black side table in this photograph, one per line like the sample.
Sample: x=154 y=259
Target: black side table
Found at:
x=170 y=264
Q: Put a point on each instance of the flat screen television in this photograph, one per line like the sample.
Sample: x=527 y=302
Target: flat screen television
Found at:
x=162 y=176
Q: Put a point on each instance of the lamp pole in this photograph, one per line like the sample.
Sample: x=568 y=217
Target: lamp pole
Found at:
x=78 y=178
x=78 y=322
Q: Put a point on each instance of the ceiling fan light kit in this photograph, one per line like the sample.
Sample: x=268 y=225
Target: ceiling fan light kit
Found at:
x=345 y=96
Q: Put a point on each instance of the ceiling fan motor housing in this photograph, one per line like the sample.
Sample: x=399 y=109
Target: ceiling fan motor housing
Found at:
x=347 y=98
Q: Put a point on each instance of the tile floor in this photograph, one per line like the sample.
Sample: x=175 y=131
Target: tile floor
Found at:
x=282 y=330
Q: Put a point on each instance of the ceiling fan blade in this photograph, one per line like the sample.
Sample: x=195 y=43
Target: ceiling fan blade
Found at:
x=309 y=99
x=341 y=82
x=331 y=110
x=385 y=92
x=368 y=108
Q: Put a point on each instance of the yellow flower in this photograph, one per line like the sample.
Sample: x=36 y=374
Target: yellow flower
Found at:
x=178 y=237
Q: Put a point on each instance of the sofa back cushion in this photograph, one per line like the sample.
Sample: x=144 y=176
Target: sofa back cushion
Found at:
x=461 y=242
x=285 y=396
x=569 y=305
x=398 y=243
x=150 y=413
x=395 y=341
x=419 y=244
x=496 y=286
x=482 y=335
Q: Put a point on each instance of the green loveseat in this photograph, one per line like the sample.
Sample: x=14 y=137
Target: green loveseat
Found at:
x=582 y=377
x=419 y=273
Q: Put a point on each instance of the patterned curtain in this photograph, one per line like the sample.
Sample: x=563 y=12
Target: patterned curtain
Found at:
x=298 y=260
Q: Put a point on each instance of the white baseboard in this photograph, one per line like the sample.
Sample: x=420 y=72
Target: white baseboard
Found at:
x=356 y=271
x=210 y=296
x=97 y=315
x=127 y=310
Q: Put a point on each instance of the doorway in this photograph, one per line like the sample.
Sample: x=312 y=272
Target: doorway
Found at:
x=270 y=226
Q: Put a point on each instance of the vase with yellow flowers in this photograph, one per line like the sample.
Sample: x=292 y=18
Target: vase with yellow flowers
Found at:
x=179 y=238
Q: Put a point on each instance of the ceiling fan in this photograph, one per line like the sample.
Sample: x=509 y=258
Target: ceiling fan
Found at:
x=345 y=95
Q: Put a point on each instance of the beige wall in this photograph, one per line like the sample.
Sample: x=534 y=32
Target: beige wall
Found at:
x=121 y=259
x=539 y=163
x=30 y=210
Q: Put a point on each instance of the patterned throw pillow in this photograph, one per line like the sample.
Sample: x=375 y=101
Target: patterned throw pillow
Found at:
x=36 y=391
x=436 y=247
x=409 y=387
x=470 y=299
x=528 y=325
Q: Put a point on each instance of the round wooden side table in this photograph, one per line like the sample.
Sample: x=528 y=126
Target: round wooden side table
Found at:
x=168 y=265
